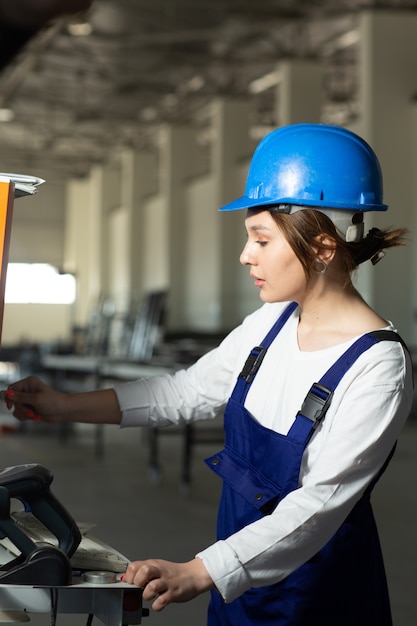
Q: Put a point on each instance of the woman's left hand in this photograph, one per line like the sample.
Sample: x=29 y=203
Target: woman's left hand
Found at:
x=165 y=582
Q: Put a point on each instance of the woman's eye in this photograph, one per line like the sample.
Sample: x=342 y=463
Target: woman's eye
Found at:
x=262 y=243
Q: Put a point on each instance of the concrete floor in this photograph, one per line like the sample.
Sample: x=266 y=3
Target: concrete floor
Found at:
x=143 y=519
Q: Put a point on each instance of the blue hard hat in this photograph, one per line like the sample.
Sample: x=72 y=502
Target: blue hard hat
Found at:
x=313 y=165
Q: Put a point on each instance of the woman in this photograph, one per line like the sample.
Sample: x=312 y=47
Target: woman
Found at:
x=313 y=413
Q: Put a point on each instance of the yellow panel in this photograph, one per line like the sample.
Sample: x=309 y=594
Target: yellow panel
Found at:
x=6 y=211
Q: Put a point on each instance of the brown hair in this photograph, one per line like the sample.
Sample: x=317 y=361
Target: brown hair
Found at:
x=304 y=228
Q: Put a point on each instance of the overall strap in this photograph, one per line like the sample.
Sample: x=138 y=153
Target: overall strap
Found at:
x=319 y=397
x=256 y=356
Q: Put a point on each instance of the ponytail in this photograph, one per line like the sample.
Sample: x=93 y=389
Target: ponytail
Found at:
x=373 y=245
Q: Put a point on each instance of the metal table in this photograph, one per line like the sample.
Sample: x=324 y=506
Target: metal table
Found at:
x=116 y=604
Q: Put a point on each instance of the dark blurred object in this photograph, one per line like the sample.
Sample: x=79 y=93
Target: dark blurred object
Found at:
x=20 y=20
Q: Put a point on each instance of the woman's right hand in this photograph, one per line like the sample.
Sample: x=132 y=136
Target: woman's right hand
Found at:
x=32 y=399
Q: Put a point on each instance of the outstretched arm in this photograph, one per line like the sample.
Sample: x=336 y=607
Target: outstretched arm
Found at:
x=31 y=398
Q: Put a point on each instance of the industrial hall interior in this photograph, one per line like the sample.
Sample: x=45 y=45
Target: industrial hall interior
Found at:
x=124 y=126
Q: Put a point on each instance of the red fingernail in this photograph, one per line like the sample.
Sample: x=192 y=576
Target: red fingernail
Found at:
x=30 y=414
x=122 y=577
x=10 y=393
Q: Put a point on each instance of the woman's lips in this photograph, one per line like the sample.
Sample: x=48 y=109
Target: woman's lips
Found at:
x=258 y=281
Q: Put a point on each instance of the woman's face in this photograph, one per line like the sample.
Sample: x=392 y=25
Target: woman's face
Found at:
x=273 y=264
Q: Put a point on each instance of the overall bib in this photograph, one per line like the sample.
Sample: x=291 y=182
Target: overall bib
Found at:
x=344 y=584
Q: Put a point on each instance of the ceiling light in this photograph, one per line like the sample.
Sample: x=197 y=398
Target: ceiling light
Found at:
x=196 y=83
x=6 y=115
x=80 y=29
x=350 y=38
x=265 y=82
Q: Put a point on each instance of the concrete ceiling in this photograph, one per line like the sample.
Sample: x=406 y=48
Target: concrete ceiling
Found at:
x=76 y=97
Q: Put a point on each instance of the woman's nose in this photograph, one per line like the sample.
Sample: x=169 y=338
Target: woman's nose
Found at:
x=245 y=257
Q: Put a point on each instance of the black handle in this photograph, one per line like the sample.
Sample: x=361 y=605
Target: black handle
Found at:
x=31 y=484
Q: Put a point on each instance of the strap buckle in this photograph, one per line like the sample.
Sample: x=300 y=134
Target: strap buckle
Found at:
x=253 y=363
x=316 y=403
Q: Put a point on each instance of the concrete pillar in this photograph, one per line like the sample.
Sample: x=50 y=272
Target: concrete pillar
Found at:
x=387 y=79
x=179 y=161
x=104 y=196
x=86 y=242
x=138 y=180
x=231 y=153
x=80 y=255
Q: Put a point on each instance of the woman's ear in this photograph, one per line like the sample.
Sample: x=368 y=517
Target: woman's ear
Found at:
x=325 y=248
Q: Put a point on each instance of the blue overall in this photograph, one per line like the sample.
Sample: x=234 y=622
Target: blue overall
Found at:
x=344 y=584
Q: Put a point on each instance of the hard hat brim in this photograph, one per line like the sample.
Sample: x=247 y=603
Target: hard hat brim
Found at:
x=245 y=202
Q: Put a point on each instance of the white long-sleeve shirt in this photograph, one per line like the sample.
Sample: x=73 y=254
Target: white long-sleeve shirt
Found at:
x=368 y=410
